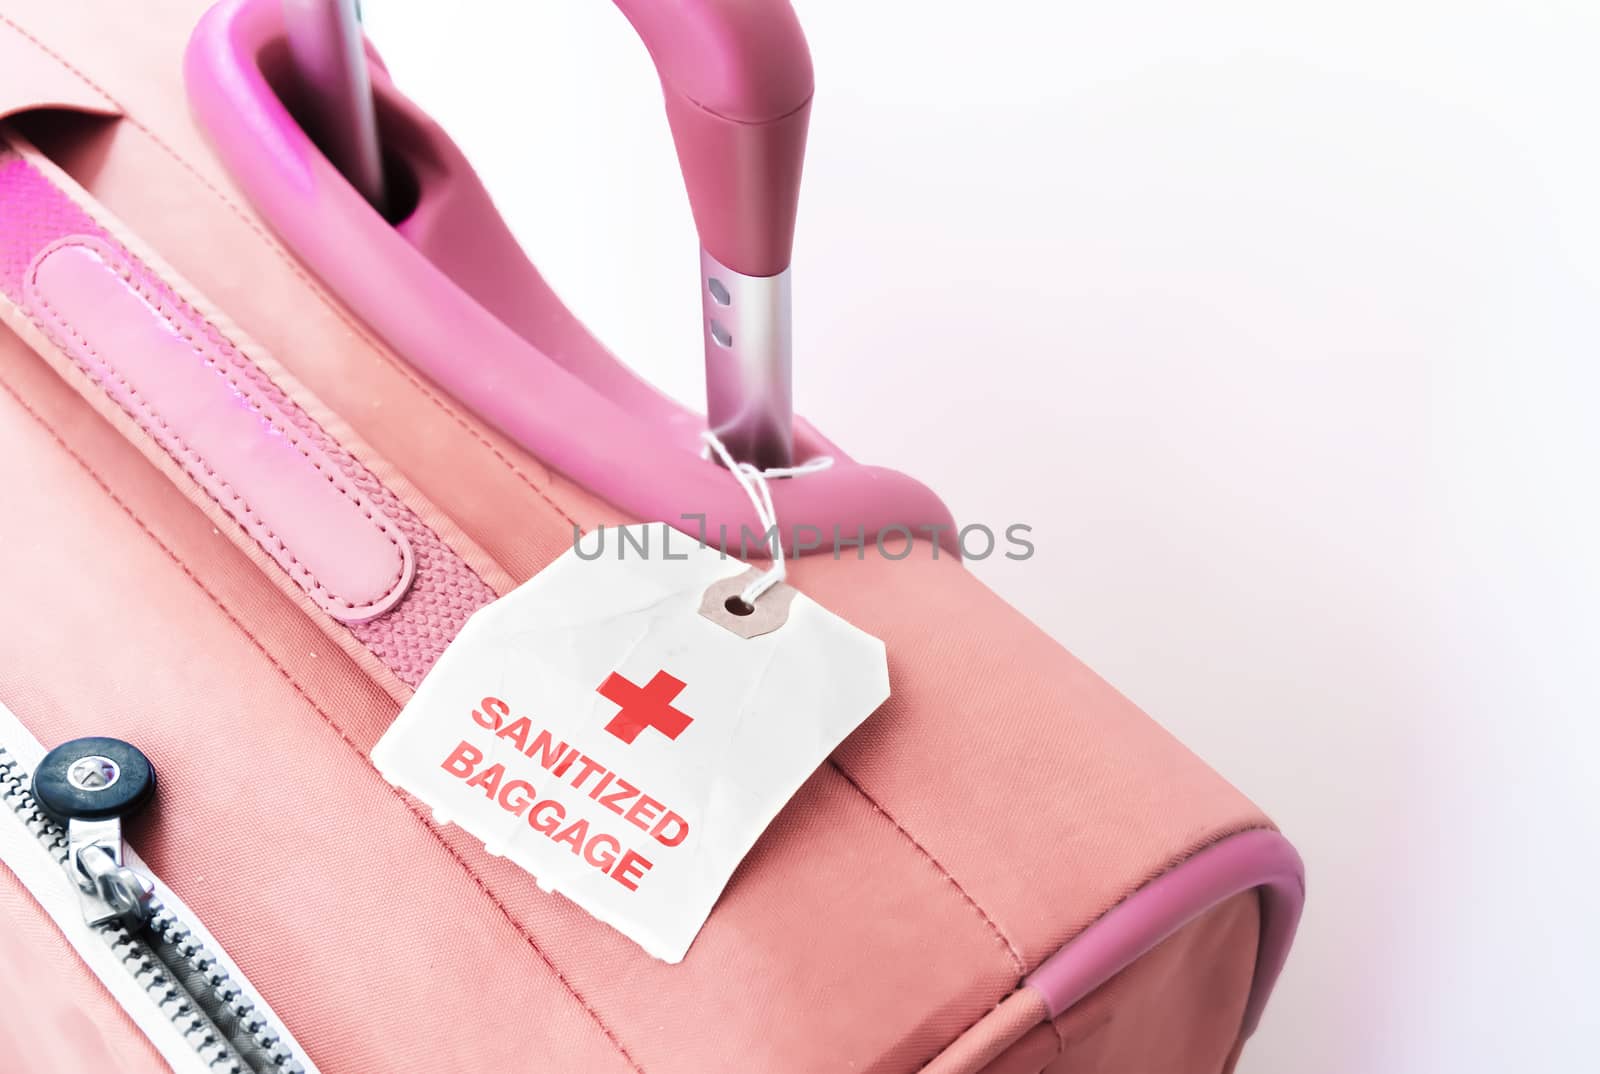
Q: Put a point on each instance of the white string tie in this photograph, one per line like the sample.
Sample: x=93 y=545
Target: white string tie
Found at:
x=754 y=481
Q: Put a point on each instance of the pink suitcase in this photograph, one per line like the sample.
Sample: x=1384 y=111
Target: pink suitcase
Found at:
x=264 y=449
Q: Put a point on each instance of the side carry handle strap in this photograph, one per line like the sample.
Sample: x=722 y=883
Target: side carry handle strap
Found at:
x=225 y=424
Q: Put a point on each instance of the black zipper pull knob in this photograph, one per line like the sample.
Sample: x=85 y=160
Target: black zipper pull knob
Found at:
x=93 y=779
x=89 y=785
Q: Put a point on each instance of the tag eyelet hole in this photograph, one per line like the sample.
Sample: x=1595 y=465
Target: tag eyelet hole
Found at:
x=737 y=605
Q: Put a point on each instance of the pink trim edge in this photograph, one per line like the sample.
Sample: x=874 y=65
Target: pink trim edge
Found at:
x=1262 y=860
x=457 y=299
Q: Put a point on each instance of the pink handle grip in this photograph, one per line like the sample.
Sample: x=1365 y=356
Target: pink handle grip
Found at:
x=458 y=299
x=738 y=84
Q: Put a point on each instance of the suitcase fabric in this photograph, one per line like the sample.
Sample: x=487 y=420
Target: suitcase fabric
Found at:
x=959 y=887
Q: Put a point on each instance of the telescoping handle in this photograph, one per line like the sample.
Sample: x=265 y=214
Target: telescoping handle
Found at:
x=331 y=60
x=737 y=81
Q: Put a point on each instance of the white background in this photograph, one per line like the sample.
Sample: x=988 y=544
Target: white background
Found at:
x=1278 y=322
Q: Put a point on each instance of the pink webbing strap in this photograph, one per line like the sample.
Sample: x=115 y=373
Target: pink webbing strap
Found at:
x=124 y=331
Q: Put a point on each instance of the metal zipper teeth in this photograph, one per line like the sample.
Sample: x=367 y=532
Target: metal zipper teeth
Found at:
x=225 y=1027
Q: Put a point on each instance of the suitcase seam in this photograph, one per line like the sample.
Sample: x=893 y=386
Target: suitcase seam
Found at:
x=966 y=896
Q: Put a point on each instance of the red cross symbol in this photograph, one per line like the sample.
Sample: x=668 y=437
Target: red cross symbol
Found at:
x=644 y=706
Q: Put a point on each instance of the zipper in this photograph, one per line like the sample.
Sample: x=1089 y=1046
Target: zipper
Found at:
x=157 y=960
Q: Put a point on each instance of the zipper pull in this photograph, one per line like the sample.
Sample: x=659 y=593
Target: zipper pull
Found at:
x=88 y=786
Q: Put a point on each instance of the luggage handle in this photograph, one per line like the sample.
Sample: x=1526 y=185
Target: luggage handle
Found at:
x=737 y=81
x=460 y=302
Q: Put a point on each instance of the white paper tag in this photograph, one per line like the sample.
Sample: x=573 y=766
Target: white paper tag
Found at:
x=598 y=730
